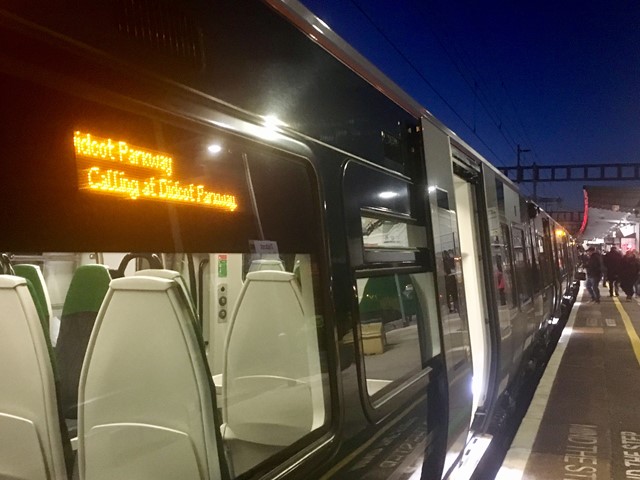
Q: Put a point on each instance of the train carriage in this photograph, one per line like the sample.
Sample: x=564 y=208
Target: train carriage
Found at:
x=233 y=249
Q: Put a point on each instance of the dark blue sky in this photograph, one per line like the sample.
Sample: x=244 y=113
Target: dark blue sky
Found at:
x=560 y=78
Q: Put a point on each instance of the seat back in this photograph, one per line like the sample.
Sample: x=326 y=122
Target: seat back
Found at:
x=170 y=275
x=86 y=292
x=41 y=294
x=272 y=393
x=32 y=445
x=266 y=264
x=147 y=405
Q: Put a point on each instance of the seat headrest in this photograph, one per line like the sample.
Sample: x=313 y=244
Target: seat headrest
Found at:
x=88 y=288
x=141 y=283
x=270 y=276
x=11 y=281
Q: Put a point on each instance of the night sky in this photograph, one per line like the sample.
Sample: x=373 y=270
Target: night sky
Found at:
x=559 y=78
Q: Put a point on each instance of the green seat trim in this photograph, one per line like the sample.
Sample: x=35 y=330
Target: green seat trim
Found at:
x=88 y=288
x=43 y=314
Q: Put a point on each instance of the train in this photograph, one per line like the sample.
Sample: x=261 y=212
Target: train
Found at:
x=232 y=248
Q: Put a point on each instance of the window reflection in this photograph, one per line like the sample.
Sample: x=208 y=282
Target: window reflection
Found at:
x=396 y=331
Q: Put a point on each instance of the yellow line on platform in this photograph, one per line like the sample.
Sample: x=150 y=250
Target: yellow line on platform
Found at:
x=633 y=335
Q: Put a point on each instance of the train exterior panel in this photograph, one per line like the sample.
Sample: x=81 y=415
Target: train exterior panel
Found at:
x=242 y=252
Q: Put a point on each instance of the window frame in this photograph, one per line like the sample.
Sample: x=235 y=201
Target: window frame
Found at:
x=398 y=262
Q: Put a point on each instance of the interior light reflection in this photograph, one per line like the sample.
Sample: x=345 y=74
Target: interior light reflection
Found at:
x=387 y=195
x=324 y=24
x=214 y=149
x=272 y=121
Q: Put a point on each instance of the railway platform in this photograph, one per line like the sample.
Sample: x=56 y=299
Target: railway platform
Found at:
x=584 y=419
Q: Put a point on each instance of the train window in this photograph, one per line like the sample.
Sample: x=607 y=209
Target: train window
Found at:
x=543 y=260
x=381 y=232
x=265 y=354
x=534 y=259
x=394 y=327
x=389 y=239
x=504 y=269
x=563 y=254
x=397 y=329
x=521 y=264
x=549 y=257
x=239 y=223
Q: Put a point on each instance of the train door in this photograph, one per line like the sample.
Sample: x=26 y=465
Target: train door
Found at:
x=451 y=289
x=472 y=261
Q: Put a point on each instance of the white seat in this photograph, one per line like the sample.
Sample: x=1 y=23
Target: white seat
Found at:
x=34 y=274
x=169 y=275
x=30 y=437
x=272 y=390
x=146 y=406
x=266 y=264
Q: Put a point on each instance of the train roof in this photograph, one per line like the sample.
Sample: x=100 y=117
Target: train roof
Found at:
x=322 y=34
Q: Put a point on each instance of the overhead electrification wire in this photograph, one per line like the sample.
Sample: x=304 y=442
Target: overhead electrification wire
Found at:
x=524 y=130
x=483 y=99
x=424 y=79
x=467 y=59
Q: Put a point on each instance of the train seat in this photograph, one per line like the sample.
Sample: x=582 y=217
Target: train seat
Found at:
x=271 y=386
x=41 y=294
x=33 y=445
x=147 y=405
x=86 y=292
x=266 y=264
x=170 y=275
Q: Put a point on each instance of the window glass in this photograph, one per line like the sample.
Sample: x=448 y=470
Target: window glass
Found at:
x=265 y=355
x=251 y=267
x=504 y=269
x=394 y=327
x=379 y=232
x=397 y=314
x=521 y=265
x=542 y=259
x=534 y=265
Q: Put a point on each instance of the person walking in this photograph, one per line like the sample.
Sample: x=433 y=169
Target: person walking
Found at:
x=594 y=274
x=629 y=270
x=612 y=261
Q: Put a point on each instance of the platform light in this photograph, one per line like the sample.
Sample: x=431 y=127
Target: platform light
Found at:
x=432 y=188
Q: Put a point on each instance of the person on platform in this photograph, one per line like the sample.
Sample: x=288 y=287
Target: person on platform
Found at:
x=629 y=270
x=612 y=261
x=583 y=258
x=594 y=274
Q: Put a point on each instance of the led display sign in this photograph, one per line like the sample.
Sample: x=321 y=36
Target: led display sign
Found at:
x=114 y=167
